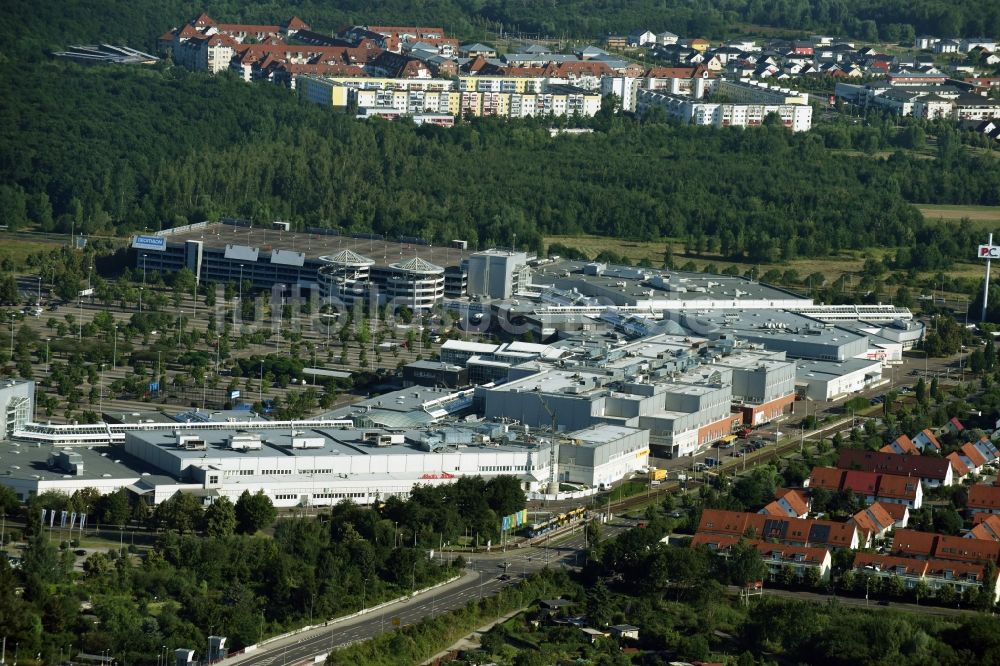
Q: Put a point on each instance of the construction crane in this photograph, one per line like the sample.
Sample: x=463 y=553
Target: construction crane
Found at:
x=553 y=449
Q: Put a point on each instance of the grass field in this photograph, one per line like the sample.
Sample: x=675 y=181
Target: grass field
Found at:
x=831 y=267
x=981 y=218
x=988 y=215
x=17 y=248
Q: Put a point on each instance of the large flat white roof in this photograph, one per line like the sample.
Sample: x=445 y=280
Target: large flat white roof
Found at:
x=473 y=347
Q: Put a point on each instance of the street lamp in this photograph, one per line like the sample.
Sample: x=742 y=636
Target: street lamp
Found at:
x=39 y=300
x=143 y=288
x=240 y=301
x=114 y=353
x=802 y=428
x=100 y=394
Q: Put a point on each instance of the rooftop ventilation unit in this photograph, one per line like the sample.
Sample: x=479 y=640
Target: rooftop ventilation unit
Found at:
x=66 y=461
x=300 y=442
x=190 y=442
x=245 y=441
x=378 y=438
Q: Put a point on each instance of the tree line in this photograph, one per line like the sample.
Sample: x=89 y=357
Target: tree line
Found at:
x=38 y=28
x=110 y=150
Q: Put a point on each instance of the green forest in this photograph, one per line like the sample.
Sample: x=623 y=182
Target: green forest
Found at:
x=184 y=571
x=111 y=150
x=35 y=27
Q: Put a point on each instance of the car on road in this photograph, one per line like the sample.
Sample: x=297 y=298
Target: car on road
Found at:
x=503 y=577
x=736 y=454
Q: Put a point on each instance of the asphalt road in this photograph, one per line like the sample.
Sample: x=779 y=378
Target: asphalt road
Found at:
x=481 y=579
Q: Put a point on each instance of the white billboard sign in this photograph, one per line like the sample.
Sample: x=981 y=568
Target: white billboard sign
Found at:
x=989 y=252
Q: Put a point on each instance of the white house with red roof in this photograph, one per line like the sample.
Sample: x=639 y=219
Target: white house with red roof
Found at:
x=901 y=444
x=986 y=529
x=926 y=438
x=788 y=503
x=874 y=520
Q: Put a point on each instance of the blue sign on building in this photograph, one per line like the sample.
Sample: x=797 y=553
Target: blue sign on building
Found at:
x=158 y=243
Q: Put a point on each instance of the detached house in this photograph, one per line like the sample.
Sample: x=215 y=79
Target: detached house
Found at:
x=899 y=512
x=874 y=521
x=641 y=38
x=666 y=38
x=986 y=529
x=959 y=470
x=925 y=438
x=901 y=445
x=974 y=460
x=788 y=503
x=986 y=447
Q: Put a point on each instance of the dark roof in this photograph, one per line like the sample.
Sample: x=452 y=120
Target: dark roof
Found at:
x=924 y=467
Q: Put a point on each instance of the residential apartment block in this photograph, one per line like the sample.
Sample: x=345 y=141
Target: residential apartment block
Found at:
x=492 y=97
x=749 y=91
x=797 y=117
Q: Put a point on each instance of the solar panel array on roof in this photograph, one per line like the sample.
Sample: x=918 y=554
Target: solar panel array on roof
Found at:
x=242 y=252
x=775 y=529
x=819 y=533
x=285 y=257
